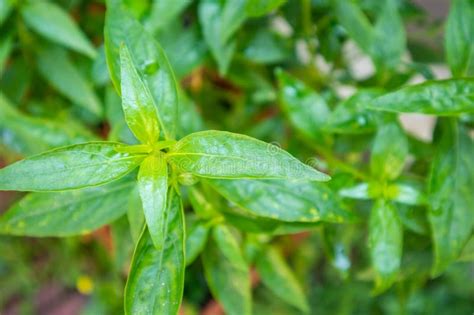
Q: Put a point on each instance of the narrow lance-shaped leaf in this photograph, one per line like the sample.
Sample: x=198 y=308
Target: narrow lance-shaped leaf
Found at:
x=67 y=213
x=196 y=238
x=355 y=23
x=137 y=102
x=443 y=97
x=156 y=280
x=135 y=215
x=389 y=152
x=387 y=50
x=72 y=167
x=385 y=243
x=220 y=154
x=229 y=245
x=153 y=186
x=162 y=12
x=291 y=201
x=459 y=37
x=32 y=135
x=279 y=278
x=227 y=276
x=5 y=9
x=306 y=109
x=150 y=60
x=219 y=20
x=451 y=197
x=6 y=45
x=60 y=72
x=49 y=20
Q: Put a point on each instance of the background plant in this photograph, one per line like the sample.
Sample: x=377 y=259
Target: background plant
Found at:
x=128 y=85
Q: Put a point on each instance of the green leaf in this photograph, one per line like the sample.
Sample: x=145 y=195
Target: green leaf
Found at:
x=49 y=20
x=221 y=154
x=202 y=202
x=152 y=64
x=385 y=243
x=5 y=9
x=153 y=185
x=60 y=72
x=352 y=116
x=229 y=245
x=387 y=50
x=156 y=280
x=162 y=12
x=389 y=152
x=306 y=109
x=278 y=277
x=6 y=45
x=359 y=191
x=190 y=119
x=459 y=38
x=137 y=102
x=256 y=8
x=442 y=97
x=219 y=21
x=266 y=47
x=451 y=197
x=228 y=279
x=196 y=238
x=135 y=215
x=291 y=201
x=67 y=213
x=408 y=194
x=72 y=167
x=32 y=135
x=184 y=47
x=355 y=23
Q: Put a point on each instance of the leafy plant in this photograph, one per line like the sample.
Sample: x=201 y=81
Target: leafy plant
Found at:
x=160 y=170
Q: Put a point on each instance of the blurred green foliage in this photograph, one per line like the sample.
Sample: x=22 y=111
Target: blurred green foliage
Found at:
x=326 y=80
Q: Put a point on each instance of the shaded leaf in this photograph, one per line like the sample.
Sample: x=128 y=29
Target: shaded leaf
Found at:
x=219 y=21
x=5 y=9
x=385 y=243
x=196 y=237
x=32 y=135
x=60 y=72
x=389 y=152
x=67 y=213
x=387 y=50
x=459 y=38
x=306 y=109
x=162 y=12
x=279 y=278
x=49 y=20
x=451 y=197
x=355 y=23
x=229 y=245
x=71 y=167
x=228 y=280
